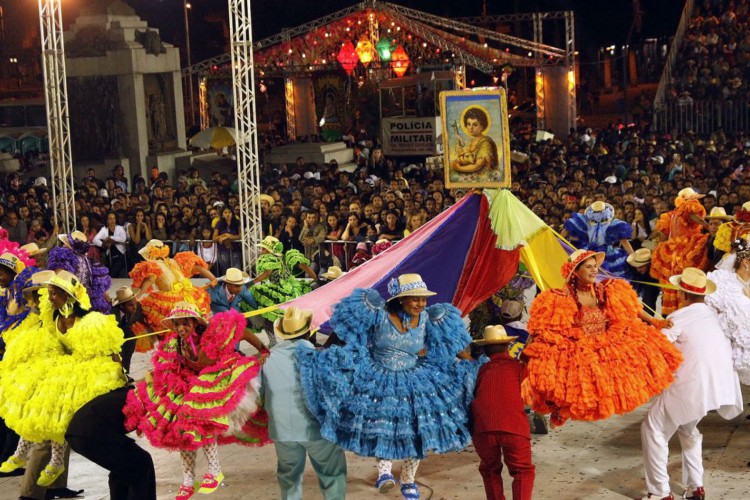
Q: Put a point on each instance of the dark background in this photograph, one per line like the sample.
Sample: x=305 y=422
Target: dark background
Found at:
x=598 y=23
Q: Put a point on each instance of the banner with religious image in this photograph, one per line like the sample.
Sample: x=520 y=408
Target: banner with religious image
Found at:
x=476 y=139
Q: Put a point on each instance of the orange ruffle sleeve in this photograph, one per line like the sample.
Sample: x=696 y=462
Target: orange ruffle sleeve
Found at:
x=188 y=260
x=664 y=223
x=693 y=207
x=143 y=270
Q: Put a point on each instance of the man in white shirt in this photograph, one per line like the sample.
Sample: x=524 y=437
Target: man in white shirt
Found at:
x=111 y=239
x=705 y=381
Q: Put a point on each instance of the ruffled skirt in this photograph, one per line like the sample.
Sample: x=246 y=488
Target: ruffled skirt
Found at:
x=220 y=405
x=374 y=411
x=40 y=396
x=597 y=376
x=270 y=294
x=671 y=257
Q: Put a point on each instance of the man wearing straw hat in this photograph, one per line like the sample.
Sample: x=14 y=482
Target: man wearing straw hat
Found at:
x=500 y=427
x=130 y=314
x=716 y=219
x=293 y=429
x=641 y=261
x=705 y=381
x=231 y=291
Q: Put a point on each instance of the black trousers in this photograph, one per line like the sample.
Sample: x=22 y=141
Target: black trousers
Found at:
x=8 y=441
x=98 y=433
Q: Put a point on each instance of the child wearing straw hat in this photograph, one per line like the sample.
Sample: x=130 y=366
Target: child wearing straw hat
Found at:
x=203 y=393
x=293 y=429
x=500 y=427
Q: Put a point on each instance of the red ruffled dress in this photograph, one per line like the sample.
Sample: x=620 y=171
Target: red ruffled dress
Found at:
x=174 y=285
x=588 y=363
x=184 y=409
x=686 y=246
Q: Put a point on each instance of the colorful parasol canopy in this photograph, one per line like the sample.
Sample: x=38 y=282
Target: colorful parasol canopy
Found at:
x=214 y=137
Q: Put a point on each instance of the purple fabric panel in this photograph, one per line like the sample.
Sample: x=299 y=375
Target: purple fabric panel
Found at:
x=440 y=259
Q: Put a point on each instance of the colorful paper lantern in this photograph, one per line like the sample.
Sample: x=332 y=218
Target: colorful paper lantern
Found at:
x=348 y=57
x=400 y=61
x=365 y=51
x=385 y=48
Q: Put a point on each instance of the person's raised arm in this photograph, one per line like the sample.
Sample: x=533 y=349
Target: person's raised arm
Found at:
x=308 y=271
x=249 y=337
x=205 y=273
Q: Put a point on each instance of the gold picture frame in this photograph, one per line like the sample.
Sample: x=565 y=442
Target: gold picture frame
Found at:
x=476 y=138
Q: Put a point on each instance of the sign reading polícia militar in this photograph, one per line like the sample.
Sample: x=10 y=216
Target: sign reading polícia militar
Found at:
x=410 y=136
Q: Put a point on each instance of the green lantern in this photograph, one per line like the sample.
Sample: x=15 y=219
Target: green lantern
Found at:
x=385 y=48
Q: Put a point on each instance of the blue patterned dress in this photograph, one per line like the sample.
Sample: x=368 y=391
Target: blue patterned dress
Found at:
x=376 y=396
x=600 y=232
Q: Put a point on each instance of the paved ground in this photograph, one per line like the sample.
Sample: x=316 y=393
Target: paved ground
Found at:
x=600 y=460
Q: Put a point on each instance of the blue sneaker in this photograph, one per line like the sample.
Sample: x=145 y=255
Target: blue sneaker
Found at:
x=385 y=483
x=410 y=491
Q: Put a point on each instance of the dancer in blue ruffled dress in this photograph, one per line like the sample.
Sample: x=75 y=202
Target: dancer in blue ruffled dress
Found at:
x=396 y=390
x=597 y=230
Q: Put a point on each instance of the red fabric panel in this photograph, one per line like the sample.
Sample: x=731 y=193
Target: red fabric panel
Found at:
x=487 y=268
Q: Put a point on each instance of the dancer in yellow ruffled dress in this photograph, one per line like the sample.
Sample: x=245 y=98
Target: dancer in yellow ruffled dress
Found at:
x=171 y=277
x=40 y=394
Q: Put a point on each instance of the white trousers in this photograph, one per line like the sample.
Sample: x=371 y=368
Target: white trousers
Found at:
x=656 y=430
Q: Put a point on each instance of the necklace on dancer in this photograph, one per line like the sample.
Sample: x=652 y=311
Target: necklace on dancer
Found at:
x=405 y=321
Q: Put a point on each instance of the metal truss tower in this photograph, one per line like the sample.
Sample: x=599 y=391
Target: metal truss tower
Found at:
x=56 y=98
x=245 y=119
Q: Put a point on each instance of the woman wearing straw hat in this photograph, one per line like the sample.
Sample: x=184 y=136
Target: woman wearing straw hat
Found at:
x=736 y=227
x=597 y=230
x=203 y=393
x=732 y=303
x=591 y=356
x=41 y=395
x=683 y=243
x=171 y=279
x=72 y=256
x=276 y=282
x=376 y=396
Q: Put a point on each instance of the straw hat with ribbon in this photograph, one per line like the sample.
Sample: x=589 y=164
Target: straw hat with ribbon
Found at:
x=576 y=259
x=12 y=262
x=183 y=310
x=332 y=273
x=68 y=239
x=493 y=335
x=640 y=257
x=600 y=211
x=70 y=284
x=693 y=281
x=272 y=245
x=295 y=323
x=124 y=294
x=33 y=249
x=689 y=194
x=154 y=249
x=235 y=276
x=408 y=285
x=38 y=280
x=718 y=213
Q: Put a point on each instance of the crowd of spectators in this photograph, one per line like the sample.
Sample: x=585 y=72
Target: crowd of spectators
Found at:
x=714 y=61
x=337 y=217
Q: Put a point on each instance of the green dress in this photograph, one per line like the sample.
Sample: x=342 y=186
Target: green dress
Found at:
x=281 y=285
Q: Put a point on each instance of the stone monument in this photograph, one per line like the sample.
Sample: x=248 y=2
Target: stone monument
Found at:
x=125 y=91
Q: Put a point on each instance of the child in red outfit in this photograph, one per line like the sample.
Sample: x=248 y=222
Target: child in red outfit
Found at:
x=500 y=426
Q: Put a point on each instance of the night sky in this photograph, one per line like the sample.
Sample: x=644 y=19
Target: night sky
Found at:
x=598 y=23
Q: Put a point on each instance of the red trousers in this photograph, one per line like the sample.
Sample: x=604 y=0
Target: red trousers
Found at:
x=491 y=446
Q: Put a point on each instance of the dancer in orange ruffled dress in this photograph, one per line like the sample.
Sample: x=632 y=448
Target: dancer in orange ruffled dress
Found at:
x=171 y=277
x=685 y=244
x=591 y=355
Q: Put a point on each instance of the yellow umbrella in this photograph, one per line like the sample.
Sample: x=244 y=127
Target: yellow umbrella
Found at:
x=214 y=137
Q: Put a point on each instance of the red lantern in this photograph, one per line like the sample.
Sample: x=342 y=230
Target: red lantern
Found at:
x=399 y=61
x=348 y=57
